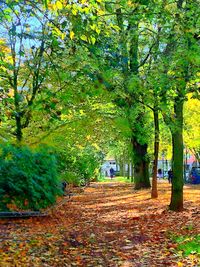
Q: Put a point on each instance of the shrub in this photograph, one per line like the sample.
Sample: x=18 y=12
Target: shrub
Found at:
x=72 y=178
x=79 y=164
x=28 y=179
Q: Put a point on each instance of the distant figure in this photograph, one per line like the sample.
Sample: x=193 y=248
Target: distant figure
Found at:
x=159 y=173
x=111 y=172
x=64 y=186
x=170 y=175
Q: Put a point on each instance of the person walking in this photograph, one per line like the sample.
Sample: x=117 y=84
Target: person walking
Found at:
x=170 y=175
x=159 y=173
x=112 y=172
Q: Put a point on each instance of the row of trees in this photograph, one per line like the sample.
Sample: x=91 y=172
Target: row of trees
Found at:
x=93 y=65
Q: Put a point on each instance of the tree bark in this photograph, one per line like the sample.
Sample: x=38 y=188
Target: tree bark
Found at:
x=132 y=174
x=18 y=128
x=129 y=57
x=154 y=191
x=176 y=203
x=141 y=162
x=128 y=170
x=121 y=167
x=141 y=166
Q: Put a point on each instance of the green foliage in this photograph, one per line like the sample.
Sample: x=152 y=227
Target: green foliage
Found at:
x=188 y=244
x=72 y=177
x=191 y=126
x=77 y=164
x=28 y=179
x=61 y=76
x=115 y=179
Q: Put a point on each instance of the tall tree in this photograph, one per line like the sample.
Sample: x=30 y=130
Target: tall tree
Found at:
x=179 y=62
x=23 y=68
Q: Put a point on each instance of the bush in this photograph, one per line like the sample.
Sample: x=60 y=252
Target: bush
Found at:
x=76 y=165
x=28 y=179
x=72 y=178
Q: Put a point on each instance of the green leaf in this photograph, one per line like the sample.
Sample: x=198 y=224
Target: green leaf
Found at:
x=45 y=3
x=93 y=40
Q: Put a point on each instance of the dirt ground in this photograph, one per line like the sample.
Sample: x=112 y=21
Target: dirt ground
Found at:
x=110 y=225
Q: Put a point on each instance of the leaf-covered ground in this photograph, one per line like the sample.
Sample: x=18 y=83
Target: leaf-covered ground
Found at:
x=109 y=224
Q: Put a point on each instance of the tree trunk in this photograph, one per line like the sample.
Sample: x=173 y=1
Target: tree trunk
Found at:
x=18 y=119
x=121 y=167
x=141 y=162
x=132 y=177
x=124 y=168
x=128 y=170
x=141 y=166
x=14 y=85
x=177 y=142
x=18 y=128
x=129 y=57
x=154 y=191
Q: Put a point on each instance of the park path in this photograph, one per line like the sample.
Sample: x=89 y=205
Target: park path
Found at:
x=108 y=225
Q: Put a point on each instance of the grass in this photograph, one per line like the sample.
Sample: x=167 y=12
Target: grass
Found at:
x=115 y=179
x=188 y=244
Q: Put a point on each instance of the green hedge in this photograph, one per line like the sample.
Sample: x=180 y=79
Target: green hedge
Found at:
x=76 y=165
x=28 y=178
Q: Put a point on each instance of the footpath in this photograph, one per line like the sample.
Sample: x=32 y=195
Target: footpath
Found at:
x=108 y=225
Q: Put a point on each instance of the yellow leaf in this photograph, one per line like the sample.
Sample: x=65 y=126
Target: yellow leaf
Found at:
x=115 y=27
x=54 y=7
x=96 y=146
x=80 y=9
x=93 y=26
x=11 y=93
x=63 y=36
x=63 y=117
x=74 y=12
x=83 y=37
x=192 y=256
x=82 y=112
x=98 y=30
x=131 y=4
x=86 y=10
x=101 y=12
x=180 y=264
x=59 y=5
x=99 y=1
x=66 y=117
x=56 y=31
x=88 y=137
x=50 y=6
x=93 y=40
x=69 y=7
x=71 y=35
x=80 y=147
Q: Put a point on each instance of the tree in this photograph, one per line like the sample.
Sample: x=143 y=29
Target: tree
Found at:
x=90 y=29
x=150 y=65
x=178 y=71
x=23 y=66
